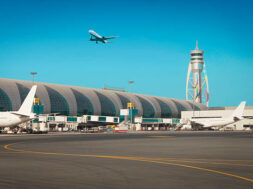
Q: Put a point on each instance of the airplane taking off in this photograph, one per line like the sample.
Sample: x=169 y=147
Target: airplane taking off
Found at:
x=221 y=122
x=99 y=38
x=13 y=118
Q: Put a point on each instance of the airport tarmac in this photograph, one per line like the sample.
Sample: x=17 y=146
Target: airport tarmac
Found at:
x=128 y=160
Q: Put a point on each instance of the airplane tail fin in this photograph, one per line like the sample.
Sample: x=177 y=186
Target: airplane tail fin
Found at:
x=26 y=107
x=239 y=110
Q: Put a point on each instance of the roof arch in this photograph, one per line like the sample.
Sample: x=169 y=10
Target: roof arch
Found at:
x=58 y=102
x=65 y=99
x=5 y=102
x=107 y=106
x=147 y=107
x=84 y=105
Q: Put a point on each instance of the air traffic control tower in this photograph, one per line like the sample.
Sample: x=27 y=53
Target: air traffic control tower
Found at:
x=197 y=83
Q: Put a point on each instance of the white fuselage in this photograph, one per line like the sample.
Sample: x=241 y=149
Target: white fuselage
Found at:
x=213 y=122
x=14 y=118
x=7 y=119
x=94 y=34
x=97 y=37
x=221 y=121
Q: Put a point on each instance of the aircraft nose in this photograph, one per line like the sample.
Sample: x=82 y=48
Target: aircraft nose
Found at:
x=90 y=31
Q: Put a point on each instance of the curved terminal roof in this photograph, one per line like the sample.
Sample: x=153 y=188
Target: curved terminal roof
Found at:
x=77 y=101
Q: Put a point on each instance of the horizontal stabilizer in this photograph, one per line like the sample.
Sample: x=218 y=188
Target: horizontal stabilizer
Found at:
x=20 y=115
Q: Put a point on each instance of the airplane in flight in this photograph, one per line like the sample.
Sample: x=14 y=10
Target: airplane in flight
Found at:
x=24 y=114
x=237 y=115
x=98 y=38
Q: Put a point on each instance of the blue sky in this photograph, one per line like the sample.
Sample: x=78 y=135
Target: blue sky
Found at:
x=51 y=38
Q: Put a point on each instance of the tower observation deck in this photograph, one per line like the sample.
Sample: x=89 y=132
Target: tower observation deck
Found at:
x=197 y=82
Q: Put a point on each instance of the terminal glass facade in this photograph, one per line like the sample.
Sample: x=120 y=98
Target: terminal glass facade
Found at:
x=165 y=109
x=5 y=104
x=58 y=102
x=23 y=91
x=107 y=107
x=147 y=108
x=123 y=100
x=84 y=106
x=180 y=107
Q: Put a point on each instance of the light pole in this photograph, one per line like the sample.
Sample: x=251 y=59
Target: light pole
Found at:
x=33 y=73
x=130 y=88
x=131 y=105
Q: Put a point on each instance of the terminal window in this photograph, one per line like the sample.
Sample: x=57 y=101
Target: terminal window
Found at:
x=147 y=108
x=123 y=100
x=5 y=103
x=58 y=102
x=165 y=109
x=84 y=106
x=107 y=107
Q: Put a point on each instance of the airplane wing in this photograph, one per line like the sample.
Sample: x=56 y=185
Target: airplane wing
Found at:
x=112 y=37
x=207 y=125
x=247 y=117
x=204 y=124
x=94 y=35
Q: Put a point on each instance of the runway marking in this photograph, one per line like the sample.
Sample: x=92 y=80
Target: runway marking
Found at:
x=215 y=163
x=11 y=152
x=214 y=159
x=7 y=147
x=161 y=136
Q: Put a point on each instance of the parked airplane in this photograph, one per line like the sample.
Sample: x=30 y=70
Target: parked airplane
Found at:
x=221 y=122
x=99 y=38
x=13 y=118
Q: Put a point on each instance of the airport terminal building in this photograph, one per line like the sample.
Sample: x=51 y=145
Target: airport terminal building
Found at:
x=75 y=108
x=78 y=101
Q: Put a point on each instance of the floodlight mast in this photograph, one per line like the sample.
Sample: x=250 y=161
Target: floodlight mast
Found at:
x=197 y=82
x=33 y=73
x=131 y=106
x=130 y=82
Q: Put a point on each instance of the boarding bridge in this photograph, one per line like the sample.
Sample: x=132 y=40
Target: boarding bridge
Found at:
x=128 y=118
x=102 y=119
